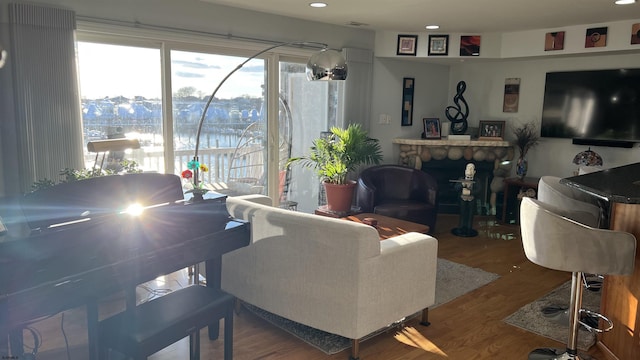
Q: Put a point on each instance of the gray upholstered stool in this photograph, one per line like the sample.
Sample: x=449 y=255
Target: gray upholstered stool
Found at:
x=577 y=206
x=552 y=240
x=158 y=323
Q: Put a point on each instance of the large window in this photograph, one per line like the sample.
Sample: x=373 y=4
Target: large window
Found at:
x=124 y=89
x=233 y=135
x=121 y=90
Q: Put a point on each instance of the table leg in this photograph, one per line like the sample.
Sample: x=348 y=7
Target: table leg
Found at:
x=213 y=273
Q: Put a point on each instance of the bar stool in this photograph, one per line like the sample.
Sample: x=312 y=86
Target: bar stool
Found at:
x=552 y=240
x=578 y=207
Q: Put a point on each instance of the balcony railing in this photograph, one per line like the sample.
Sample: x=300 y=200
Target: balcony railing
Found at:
x=219 y=160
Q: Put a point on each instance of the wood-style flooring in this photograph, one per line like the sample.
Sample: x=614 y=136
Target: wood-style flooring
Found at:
x=469 y=327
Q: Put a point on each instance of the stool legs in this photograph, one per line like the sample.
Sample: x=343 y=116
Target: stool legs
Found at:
x=571 y=352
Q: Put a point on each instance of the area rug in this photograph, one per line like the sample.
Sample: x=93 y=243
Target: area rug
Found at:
x=556 y=327
x=452 y=280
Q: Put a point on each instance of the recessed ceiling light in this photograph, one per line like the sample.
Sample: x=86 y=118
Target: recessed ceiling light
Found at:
x=432 y=27
x=318 y=4
x=624 y=2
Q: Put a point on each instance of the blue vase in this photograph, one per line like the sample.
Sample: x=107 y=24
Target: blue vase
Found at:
x=521 y=167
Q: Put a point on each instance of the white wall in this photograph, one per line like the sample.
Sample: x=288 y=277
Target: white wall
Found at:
x=510 y=55
x=485 y=89
x=429 y=99
x=207 y=17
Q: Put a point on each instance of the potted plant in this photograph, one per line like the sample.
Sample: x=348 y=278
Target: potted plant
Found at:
x=526 y=138
x=334 y=156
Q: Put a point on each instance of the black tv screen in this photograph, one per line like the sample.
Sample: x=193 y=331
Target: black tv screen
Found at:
x=599 y=105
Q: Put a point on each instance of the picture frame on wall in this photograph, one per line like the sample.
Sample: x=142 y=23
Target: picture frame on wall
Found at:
x=554 y=41
x=407 y=101
x=635 y=34
x=432 y=128
x=491 y=130
x=596 y=37
x=470 y=45
x=407 y=45
x=438 y=45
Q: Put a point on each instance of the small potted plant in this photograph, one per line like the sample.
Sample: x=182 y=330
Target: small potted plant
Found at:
x=334 y=156
x=527 y=137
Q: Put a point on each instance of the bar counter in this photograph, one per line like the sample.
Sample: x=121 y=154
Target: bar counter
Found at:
x=620 y=187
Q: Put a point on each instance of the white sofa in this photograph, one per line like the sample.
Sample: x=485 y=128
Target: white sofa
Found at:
x=330 y=274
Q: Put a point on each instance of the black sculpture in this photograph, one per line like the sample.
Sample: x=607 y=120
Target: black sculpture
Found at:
x=459 y=119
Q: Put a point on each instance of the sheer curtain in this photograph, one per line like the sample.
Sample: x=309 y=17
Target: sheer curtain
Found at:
x=357 y=91
x=41 y=130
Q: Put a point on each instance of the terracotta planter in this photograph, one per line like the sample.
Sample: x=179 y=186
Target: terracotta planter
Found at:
x=339 y=197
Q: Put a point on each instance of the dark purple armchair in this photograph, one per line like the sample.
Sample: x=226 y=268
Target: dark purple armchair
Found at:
x=400 y=192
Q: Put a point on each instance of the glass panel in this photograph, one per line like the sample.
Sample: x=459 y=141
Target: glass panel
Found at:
x=233 y=137
x=317 y=103
x=120 y=89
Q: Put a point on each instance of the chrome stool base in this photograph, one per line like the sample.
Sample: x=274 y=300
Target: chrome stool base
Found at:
x=556 y=354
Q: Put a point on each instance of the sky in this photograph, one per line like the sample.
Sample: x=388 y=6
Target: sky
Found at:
x=115 y=70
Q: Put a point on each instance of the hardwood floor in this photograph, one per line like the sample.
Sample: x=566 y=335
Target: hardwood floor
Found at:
x=469 y=327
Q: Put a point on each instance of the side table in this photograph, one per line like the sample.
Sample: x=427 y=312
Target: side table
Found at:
x=510 y=201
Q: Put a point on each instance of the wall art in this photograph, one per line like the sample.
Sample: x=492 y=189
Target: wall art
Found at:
x=438 y=45
x=407 y=101
x=596 y=37
x=554 y=41
x=407 y=45
x=511 y=95
x=470 y=45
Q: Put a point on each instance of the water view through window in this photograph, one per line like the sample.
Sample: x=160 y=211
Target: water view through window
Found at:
x=122 y=96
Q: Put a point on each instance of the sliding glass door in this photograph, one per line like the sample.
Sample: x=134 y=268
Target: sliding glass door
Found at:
x=156 y=92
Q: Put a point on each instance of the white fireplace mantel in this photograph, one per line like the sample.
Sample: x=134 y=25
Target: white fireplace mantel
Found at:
x=413 y=152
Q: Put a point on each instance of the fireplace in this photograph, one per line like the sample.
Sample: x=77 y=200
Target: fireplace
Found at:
x=446 y=160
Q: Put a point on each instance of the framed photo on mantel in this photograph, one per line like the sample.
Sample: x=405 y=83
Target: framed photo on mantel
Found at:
x=491 y=130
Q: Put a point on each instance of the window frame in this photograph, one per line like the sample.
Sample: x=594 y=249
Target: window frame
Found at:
x=166 y=41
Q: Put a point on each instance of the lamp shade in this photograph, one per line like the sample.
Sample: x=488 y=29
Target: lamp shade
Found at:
x=588 y=158
x=326 y=64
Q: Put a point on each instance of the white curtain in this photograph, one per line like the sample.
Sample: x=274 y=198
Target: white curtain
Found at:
x=357 y=89
x=41 y=127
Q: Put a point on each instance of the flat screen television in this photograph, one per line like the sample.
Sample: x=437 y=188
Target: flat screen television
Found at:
x=597 y=107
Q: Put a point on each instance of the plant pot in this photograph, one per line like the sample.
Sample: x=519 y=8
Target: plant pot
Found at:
x=339 y=196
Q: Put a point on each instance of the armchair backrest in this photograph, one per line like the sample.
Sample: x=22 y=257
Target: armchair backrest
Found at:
x=395 y=182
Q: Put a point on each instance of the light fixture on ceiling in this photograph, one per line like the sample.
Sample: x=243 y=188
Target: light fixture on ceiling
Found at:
x=624 y=2
x=318 y=4
x=432 y=27
x=327 y=64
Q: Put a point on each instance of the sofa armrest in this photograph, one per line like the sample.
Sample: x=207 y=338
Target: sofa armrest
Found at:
x=256 y=198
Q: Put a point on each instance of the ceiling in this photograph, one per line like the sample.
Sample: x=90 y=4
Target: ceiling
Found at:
x=453 y=16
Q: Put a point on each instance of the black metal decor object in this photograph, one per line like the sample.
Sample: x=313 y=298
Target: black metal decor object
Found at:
x=459 y=118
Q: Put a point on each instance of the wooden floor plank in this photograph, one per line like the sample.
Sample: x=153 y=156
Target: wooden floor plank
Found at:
x=469 y=327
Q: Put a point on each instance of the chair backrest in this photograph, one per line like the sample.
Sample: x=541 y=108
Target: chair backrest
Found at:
x=552 y=240
x=98 y=196
x=395 y=182
x=577 y=205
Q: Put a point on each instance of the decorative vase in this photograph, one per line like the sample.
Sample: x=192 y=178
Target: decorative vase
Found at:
x=522 y=167
x=339 y=196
